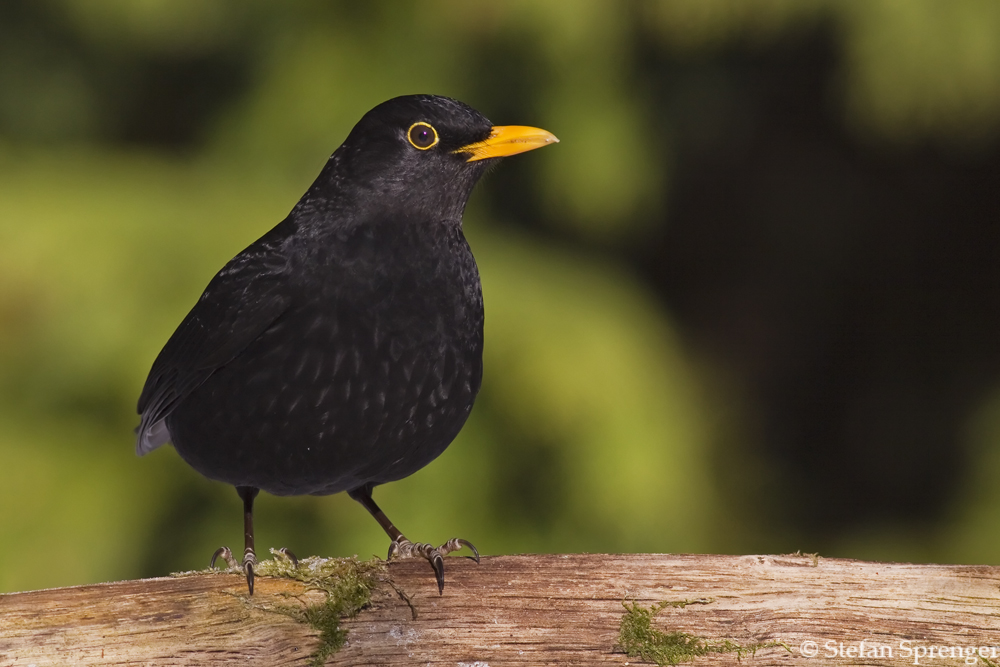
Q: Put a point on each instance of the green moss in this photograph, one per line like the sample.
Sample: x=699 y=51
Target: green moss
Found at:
x=680 y=604
x=347 y=583
x=638 y=638
x=812 y=556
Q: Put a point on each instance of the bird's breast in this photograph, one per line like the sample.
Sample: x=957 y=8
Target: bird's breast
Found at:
x=367 y=377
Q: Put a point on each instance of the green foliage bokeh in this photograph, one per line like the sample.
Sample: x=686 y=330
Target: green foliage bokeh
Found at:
x=595 y=427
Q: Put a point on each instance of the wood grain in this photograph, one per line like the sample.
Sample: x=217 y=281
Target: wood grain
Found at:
x=527 y=610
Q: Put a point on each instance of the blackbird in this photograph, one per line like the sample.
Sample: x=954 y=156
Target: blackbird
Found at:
x=342 y=349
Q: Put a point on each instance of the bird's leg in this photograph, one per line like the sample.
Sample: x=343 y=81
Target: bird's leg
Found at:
x=247 y=493
x=402 y=547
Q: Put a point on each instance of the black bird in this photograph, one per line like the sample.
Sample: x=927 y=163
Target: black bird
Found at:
x=342 y=349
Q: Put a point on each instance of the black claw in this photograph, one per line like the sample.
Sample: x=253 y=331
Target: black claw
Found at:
x=290 y=556
x=248 y=566
x=438 y=564
x=472 y=548
x=221 y=551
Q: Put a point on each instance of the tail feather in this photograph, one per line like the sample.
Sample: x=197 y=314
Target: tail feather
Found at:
x=151 y=436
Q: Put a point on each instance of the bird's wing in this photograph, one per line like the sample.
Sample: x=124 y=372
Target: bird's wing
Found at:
x=243 y=300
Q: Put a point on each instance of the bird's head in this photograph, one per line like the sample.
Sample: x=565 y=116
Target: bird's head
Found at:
x=420 y=154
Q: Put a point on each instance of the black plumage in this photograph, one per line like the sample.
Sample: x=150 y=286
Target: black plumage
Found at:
x=343 y=349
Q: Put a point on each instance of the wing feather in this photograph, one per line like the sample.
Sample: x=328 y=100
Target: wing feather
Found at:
x=246 y=298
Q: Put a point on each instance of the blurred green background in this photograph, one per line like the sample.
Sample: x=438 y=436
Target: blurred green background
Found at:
x=751 y=303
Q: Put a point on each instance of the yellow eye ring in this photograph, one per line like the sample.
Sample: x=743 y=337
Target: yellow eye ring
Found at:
x=422 y=136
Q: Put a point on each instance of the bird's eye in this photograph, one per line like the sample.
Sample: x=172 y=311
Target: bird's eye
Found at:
x=422 y=136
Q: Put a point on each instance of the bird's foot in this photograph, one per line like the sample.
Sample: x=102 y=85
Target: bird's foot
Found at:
x=403 y=548
x=249 y=561
x=226 y=555
x=287 y=553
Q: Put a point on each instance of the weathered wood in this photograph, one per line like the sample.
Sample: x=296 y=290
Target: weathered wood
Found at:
x=527 y=610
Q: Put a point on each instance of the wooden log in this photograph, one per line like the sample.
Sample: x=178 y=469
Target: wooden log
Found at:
x=531 y=610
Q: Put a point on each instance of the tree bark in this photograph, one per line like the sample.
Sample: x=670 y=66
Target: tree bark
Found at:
x=532 y=610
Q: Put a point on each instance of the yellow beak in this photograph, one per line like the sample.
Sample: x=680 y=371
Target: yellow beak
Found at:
x=507 y=140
